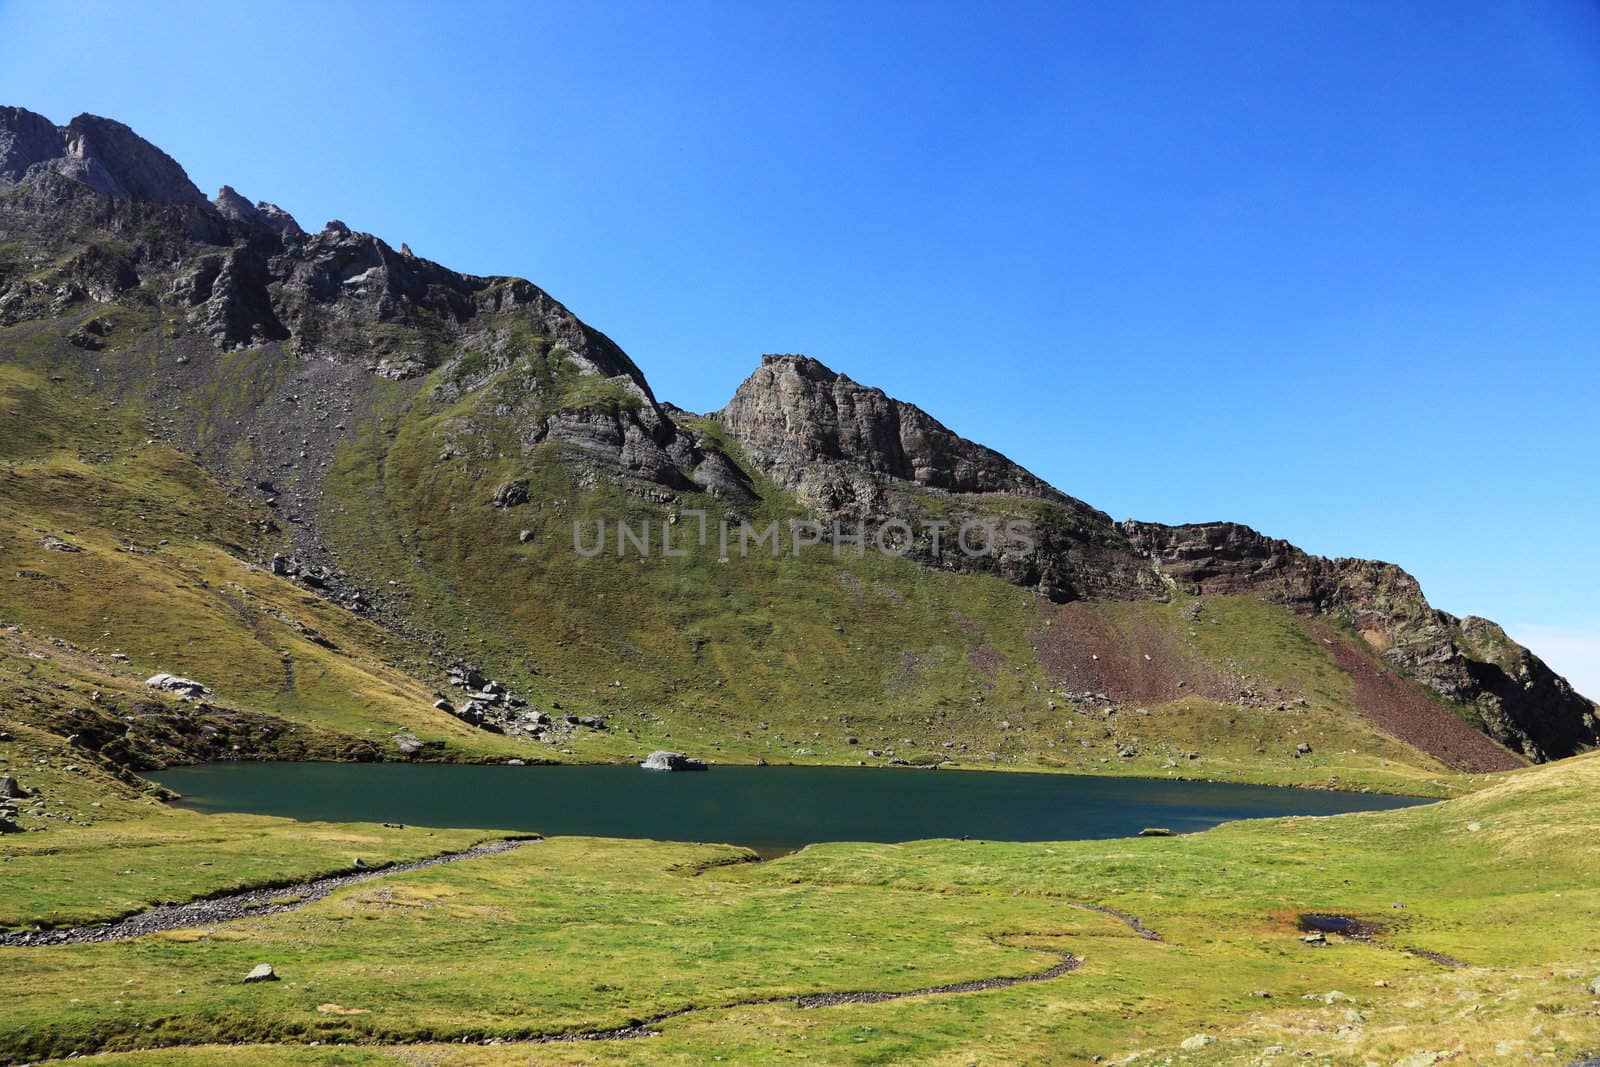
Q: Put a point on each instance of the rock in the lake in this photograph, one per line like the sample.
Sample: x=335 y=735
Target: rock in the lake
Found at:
x=184 y=687
x=262 y=972
x=672 y=761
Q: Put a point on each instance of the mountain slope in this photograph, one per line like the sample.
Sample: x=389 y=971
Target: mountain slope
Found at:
x=409 y=450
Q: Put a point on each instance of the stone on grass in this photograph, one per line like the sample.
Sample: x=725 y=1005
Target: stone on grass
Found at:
x=1197 y=1042
x=262 y=972
x=171 y=683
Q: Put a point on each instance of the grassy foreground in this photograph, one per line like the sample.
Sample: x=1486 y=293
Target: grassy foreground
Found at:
x=567 y=936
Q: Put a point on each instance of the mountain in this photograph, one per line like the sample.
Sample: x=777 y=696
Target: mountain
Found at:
x=316 y=474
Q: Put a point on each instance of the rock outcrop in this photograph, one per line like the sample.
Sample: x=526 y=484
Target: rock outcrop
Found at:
x=828 y=438
x=671 y=761
x=851 y=452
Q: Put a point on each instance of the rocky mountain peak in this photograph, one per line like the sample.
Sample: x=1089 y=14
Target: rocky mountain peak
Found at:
x=101 y=153
x=26 y=139
x=275 y=218
x=235 y=207
x=794 y=415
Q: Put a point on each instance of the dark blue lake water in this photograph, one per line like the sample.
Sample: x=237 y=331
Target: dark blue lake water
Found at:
x=770 y=809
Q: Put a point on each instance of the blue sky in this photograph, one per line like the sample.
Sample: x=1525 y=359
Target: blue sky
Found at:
x=1332 y=270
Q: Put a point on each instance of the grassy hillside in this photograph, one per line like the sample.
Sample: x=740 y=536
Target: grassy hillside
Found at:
x=129 y=559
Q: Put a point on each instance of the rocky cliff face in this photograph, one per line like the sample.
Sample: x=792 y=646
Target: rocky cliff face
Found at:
x=850 y=452
x=816 y=431
x=312 y=335
x=1524 y=705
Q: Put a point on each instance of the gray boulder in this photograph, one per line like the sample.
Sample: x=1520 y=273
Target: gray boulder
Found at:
x=261 y=972
x=672 y=761
x=184 y=687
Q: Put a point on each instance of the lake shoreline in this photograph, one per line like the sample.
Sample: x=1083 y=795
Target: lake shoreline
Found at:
x=1442 y=792
x=771 y=810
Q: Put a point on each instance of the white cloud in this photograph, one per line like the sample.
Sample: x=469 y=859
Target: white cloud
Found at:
x=1569 y=652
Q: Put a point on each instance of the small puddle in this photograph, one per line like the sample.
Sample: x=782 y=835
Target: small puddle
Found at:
x=1343 y=925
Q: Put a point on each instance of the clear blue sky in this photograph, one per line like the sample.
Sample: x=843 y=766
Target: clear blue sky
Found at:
x=1329 y=269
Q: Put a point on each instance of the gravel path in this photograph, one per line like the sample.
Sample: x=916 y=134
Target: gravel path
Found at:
x=1068 y=963
x=1133 y=923
x=245 y=905
x=646 y=1027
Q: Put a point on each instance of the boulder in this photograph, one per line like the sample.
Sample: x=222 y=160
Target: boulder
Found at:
x=261 y=972
x=1303 y=749
x=9 y=789
x=408 y=744
x=184 y=687
x=672 y=761
x=510 y=494
x=1197 y=1042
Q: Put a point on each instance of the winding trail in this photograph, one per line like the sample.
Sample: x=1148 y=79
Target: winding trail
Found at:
x=1131 y=921
x=248 y=904
x=806 y=1001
